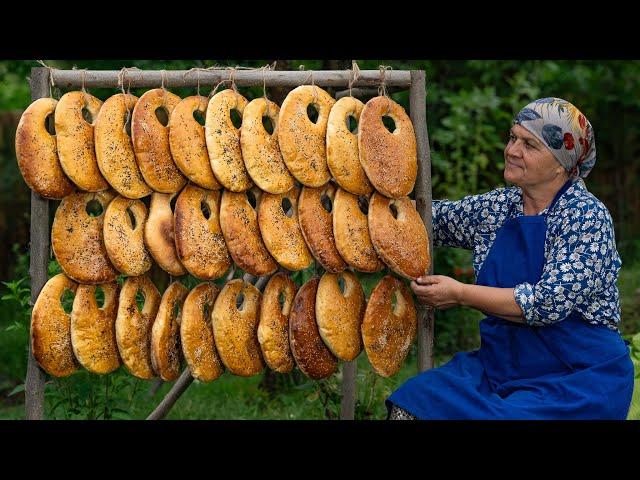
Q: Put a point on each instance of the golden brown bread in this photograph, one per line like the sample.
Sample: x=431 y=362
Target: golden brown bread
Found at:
x=273 y=328
x=235 y=329
x=199 y=240
x=37 y=152
x=77 y=238
x=343 y=158
x=133 y=325
x=188 y=145
x=166 y=352
x=123 y=239
x=74 y=135
x=388 y=332
x=239 y=223
x=93 y=328
x=223 y=141
x=389 y=159
x=312 y=356
x=196 y=335
x=260 y=150
x=151 y=141
x=351 y=233
x=51 y=329
x=159 y=234
x=339 y=314
x=316 y=224
x=401 y=242
x=114 y=147
x=302 y=142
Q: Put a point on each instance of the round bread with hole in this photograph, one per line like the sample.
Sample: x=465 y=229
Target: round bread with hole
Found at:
x=134 y=323
x=199 y=240
x=343 y=158
x=311 y=354
x=239 y=223
x=340 y=307
x=151 y=141
x=399 y=236
x=303 y=142
x=75 y=138
x=114 y=147
x=389 y=158
x=235 y=323
x=223 y=141
x=124 y=236
x=77 y=237
x=388 y=330
x=351 y=232
x=315 y=206
x=260 y=149
x=51 y=328
x=37 y=152
x=188 y=144
x=159 y=234
x=93 y=328
x=166 y=352
x=273 y=328
x=280 y=230
x=196 y=335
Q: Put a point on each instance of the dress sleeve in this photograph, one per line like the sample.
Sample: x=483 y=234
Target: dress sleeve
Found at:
x=454 y=222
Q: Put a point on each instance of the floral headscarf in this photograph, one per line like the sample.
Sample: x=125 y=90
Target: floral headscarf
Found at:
x=564 y=130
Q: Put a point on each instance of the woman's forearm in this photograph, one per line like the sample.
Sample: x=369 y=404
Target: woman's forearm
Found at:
x=499 y=302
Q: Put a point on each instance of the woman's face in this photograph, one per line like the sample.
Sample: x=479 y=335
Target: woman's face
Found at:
x=527 y=161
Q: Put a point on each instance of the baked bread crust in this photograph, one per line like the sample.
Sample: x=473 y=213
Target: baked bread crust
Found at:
x=159 y=234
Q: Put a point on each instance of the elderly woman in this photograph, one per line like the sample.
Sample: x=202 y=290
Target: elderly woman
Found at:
x=546 y=265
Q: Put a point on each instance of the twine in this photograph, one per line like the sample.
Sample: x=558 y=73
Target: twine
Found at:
x=382 y=89
x=121 y=78
x=51 y=81
x=354 y=76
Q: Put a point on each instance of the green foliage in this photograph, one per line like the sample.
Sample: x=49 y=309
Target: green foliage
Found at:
x=634 y=347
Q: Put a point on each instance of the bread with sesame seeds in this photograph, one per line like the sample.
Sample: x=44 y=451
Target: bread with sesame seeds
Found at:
x=159 y=234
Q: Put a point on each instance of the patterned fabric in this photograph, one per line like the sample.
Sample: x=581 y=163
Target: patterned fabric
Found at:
x=581 y=259
x=564 y=130
x=398 y=413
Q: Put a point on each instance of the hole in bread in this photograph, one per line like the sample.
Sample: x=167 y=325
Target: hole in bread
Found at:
x=132 y=219
x=394 y=302
x=312 y=113
x=394 y=210
x=162 y=115
x=198 y=115
x=287 y=207
x=240 y=301
x=206 y=311
x=327 y=204
x=267 y=124
x=50 y=124
x=204 y=208
x=94 y=208
x=253 y=201
x=172 y=203
x=140 y=300
x=127 y=123
x=389 y=123
x=281 y=300
x=236 y=117
x=86 y=114
x=341 y=285
x=98 y=294
x=66 y=300
x=352 y=124
x=175 y=311
x=363 y=204
x=397 y=303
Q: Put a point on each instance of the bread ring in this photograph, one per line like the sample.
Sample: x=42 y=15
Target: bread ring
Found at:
x=199 y=240
x=188 y=145
x=37 y=153
x=159 y=234
x=343 y=158
x=196 y=335
x=273 y=329
x=388 y=332
x=260 y=150
x=123 y=240
x=316 y=224
x=401 y=242
x=77 y=238
x=239 y=223
x=351 y=233
x=312 y=356
x=114 y=148
x=281 y=233
x=235 y=330
x=223 y=141
x=51 y=329
x=302 y=142
x=93 y=328
x=339 y=315
x=389 y=159
x=75 y=140
x=151 y=141
x=166 y=352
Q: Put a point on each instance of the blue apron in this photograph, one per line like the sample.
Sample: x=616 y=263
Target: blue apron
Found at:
x=567 y=370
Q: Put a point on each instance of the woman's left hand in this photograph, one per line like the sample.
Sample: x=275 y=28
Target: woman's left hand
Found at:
x=438 y=291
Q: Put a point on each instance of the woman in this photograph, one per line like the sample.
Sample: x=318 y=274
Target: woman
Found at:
x=546 y=266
